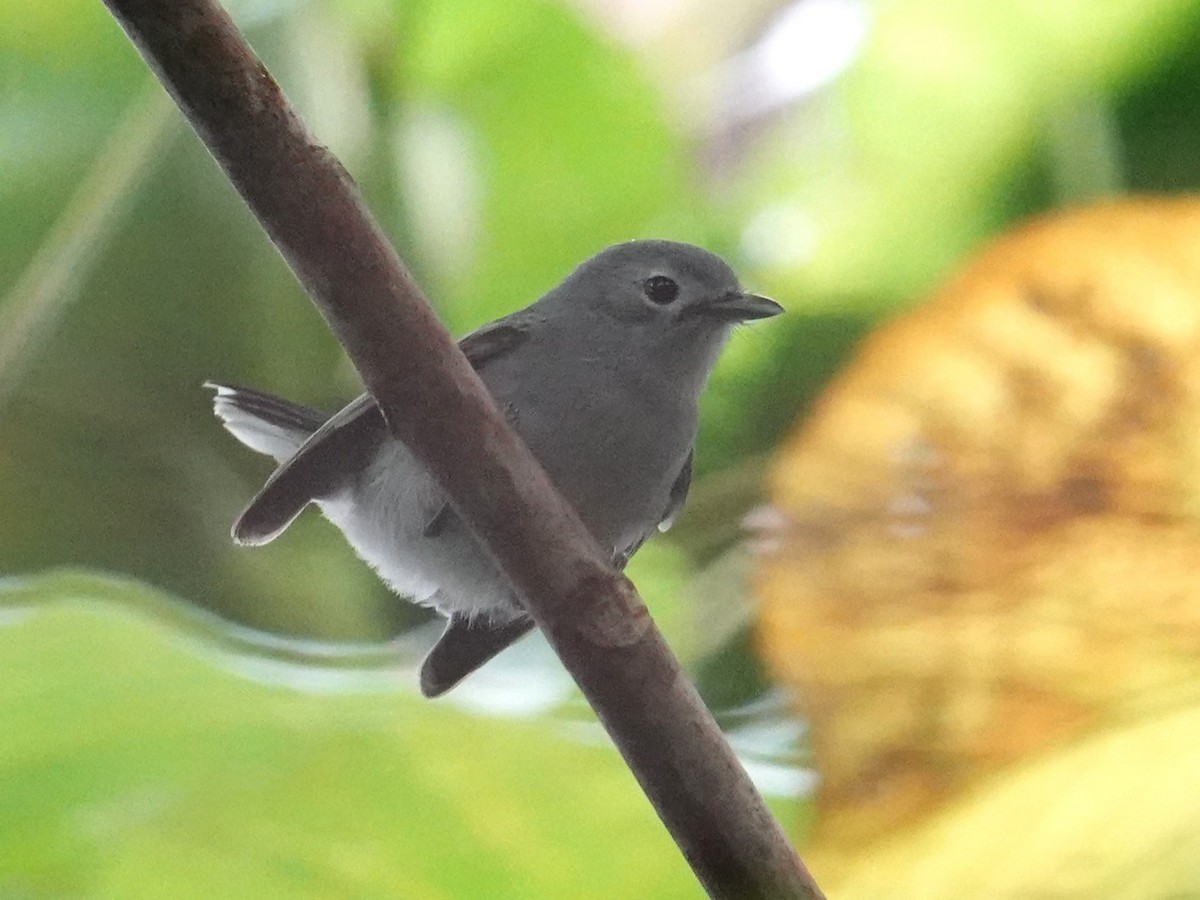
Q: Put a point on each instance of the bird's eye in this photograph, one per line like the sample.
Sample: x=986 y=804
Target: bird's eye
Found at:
x=660 y=289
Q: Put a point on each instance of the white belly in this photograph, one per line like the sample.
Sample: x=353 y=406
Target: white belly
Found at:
x=384 y=519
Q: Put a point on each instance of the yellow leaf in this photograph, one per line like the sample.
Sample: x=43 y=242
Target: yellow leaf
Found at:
x=1112 y=817
x=992 y=548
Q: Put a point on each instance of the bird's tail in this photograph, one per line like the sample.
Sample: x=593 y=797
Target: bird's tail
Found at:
x=263 y=422
x=318 y=455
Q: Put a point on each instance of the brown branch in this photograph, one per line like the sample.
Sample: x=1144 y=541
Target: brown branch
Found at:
x=434 y=402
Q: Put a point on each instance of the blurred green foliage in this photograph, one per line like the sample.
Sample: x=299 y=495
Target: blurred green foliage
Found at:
x=172 y=776
x=499 y=143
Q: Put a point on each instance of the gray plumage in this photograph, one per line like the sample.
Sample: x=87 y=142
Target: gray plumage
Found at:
x=601 y=377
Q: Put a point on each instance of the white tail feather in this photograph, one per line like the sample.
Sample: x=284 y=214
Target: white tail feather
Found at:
x=270 y=438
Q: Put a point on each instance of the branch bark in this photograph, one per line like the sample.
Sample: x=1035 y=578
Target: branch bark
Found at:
x=434 y=402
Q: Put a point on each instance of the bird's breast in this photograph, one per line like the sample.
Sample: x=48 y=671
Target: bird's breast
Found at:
x=614 y=454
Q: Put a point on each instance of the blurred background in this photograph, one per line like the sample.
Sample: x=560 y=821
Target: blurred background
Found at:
x=184 y=718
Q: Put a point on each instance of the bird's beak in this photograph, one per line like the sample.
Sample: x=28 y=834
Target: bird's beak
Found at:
x=738 y=307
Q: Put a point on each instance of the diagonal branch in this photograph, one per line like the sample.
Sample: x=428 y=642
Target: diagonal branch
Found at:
x=434 y=402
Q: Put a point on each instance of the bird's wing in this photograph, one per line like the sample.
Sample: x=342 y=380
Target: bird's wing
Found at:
x=323 y=465
x=345 y=444
x=465 y=646
x=494 y=341
x=675 y=500
x=679 y=492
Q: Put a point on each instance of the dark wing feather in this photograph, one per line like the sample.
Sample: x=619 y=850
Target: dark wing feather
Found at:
x=344 y=445
x=675 y=501
x=465 y=646
x=480 y=347
x=321 y=467
x=679 y=492
x=495 y=340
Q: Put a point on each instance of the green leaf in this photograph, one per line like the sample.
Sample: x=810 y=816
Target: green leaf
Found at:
x=568 y=141
x=924 y=133
x=143 y=761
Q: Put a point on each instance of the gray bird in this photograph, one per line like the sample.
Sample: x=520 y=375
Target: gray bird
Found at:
x=601 y=377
